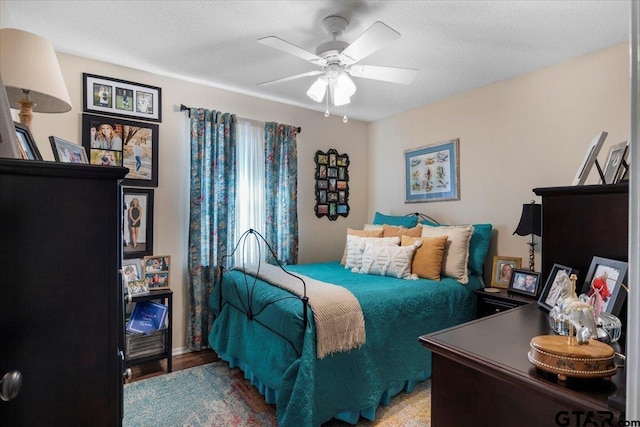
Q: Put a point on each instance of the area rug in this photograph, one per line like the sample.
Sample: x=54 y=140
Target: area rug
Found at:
x=213 y=395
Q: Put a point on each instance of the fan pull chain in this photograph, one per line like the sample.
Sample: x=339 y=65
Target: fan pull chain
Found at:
x=345 y=119
x=326 y=111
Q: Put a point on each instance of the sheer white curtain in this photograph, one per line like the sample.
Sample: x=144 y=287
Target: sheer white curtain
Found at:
x=250 y=184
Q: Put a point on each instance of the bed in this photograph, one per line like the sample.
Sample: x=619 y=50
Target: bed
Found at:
x=270 y=334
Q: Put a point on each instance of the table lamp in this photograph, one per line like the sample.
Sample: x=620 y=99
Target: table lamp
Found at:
x=530 y=224
x=31 y=74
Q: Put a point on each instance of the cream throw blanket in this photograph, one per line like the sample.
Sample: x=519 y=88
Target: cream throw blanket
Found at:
x=336 y=311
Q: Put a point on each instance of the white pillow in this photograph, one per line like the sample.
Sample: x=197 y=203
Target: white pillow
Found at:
x=456 y=252
x=394 y=261
x=355 y=248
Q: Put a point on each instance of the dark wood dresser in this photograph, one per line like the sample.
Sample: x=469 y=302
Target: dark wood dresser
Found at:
x=481 y=376
x=61 y=322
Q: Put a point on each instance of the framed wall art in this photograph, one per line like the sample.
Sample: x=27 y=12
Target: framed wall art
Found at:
x=332 y=184
x=67 y=152
x=525 y=282
x=552 y=287
x=616 y=163
x=121 y=98
x=117 y=142
x=26 y=144
x=432 y=173
x=605 y=278
x=137 y=222
x=503 y=267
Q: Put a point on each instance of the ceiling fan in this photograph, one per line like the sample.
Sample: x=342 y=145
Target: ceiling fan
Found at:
x=337 y=60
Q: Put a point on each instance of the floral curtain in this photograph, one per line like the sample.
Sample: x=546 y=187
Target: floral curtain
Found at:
x=212 y=212
x=281 y=176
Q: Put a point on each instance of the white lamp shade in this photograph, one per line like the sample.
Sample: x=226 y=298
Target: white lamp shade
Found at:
x=28 y=62
x=318 y=89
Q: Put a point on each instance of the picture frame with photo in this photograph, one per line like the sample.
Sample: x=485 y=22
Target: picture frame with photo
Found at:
x=331 y=184
x=67 y=152
x=606 y=277
x=551 y=289
x=132 y=269
x=118 y=142
x=137 y=235
x=525 y=282
x=616 y=163
x=137 y=287
x=156 y=271
x=501 y=272
x=26 y=144
x=432 y=173
x=589 y=159
x=122 y=98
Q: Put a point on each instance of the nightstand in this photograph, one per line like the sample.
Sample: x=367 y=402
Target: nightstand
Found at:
x=497 y=302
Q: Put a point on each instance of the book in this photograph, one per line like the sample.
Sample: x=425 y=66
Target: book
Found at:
x=147 y=316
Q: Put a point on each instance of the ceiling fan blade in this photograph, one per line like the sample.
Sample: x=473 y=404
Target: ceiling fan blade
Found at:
x=286 y=79
x=291 y=49
x=375 y=38
x=387 y=74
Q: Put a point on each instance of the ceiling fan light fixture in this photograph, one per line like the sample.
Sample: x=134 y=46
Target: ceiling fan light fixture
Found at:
x=318 y=89
x=343 y=90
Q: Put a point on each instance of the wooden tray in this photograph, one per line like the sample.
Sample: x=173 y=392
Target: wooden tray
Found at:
x=558 y=355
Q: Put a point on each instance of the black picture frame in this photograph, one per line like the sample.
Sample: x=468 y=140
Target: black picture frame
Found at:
x=617 y=273
x=121 y=98
x=548 y=298
x=331 y=184
x=518 y=281
x=67 y=151
x=131 y=134
x=26 y=144
x=144 y=243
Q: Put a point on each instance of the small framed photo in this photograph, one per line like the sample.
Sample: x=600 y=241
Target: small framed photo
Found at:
x=552 y=286
x=524 y=282
x=604 y=282
x=589 y=159
x=614 y=169
x=132 y=270
x=26 y=144
x=67 y=152
x=138 y=222
x=137 y=287
x=503 y=267
x=122 y=98
x=156 y=271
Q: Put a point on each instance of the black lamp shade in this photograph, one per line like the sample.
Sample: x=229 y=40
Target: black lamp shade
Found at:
x=530 y=221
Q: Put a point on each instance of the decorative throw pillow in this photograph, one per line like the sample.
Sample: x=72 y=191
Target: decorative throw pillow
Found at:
x=355 y=248
x=394 y=261
x=456 y=253
x=361 y=233
x=427 y=261
x=405 y=221
x=478 y=246
x=395 y=231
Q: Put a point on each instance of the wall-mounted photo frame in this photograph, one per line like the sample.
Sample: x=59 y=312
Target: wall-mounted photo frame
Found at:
x=106 y=95
x=551 y=290
x=525 y=282
x=156 y=271
x=26 y=144
x=117 y=142
x=605 y=278
x=332 y=184
x=67 y=152
x=137 y=222
x=503 y=267
x=432 y=173
x=616 y=163
x=589 y=159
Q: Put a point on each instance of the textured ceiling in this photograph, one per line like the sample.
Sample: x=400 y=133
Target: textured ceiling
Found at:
x=456 y=45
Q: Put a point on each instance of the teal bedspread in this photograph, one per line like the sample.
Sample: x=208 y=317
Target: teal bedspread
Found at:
x=278 y=353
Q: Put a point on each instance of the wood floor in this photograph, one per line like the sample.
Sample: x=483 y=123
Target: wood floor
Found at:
x=182 y=361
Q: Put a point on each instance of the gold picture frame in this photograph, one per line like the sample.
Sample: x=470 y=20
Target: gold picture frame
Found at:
x=502 y=268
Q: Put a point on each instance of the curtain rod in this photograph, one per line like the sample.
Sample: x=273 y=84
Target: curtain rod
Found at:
x=185 y=108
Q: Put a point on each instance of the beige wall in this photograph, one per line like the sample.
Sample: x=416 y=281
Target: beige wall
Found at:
x=516 y=135
x=320 y=239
